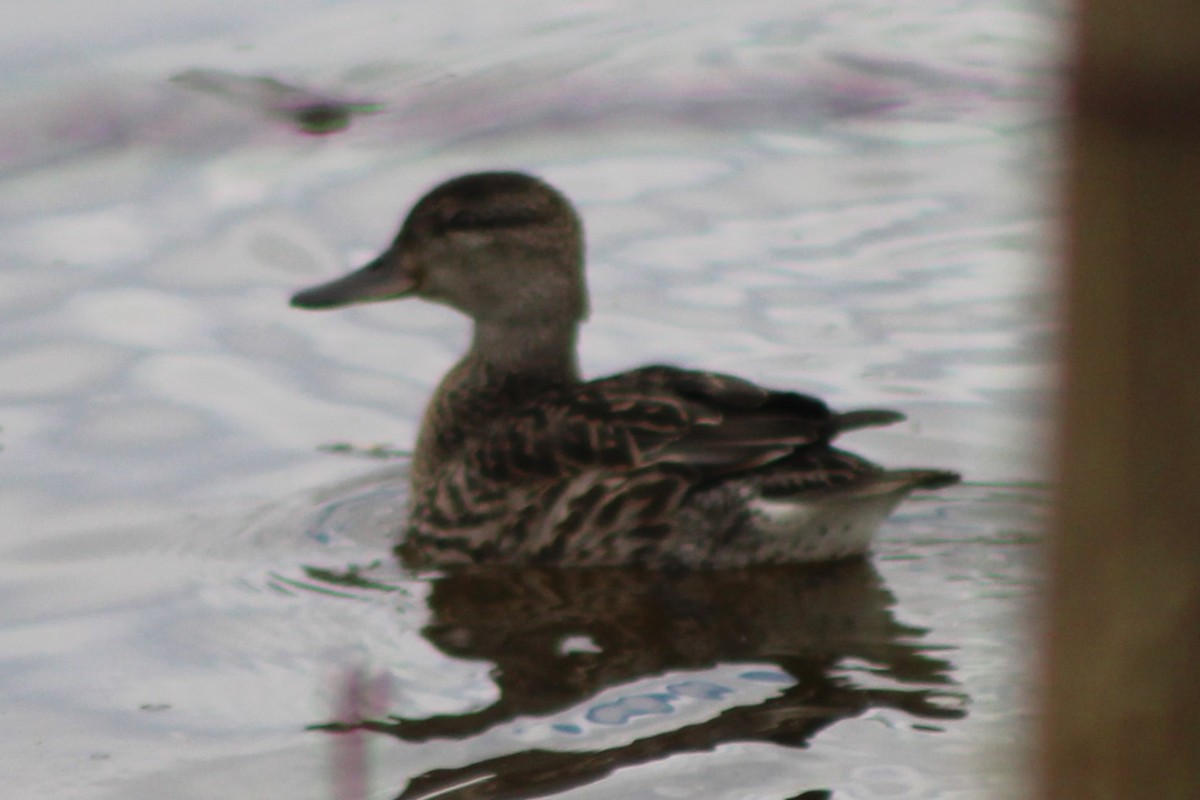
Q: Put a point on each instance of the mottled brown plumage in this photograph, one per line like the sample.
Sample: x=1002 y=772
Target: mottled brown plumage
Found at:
x=519 y=460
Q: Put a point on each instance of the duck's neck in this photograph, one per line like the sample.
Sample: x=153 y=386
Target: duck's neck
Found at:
x=508 y=365
x=531 y=355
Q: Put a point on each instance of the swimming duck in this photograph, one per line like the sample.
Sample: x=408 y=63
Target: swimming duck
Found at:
x=519 y=460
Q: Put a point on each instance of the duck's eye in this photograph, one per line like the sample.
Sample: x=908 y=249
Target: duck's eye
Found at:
x=463 y=219
x=466 y=220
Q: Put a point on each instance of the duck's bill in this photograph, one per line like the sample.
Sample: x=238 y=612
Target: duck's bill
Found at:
x=379 y=280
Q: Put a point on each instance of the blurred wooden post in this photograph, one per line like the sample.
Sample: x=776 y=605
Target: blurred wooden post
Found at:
x=1122 y=713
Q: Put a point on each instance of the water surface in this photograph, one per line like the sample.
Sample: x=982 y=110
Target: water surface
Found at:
x=846 y=199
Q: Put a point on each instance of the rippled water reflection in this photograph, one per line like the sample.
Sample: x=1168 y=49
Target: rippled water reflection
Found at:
x=603 y=669
x=849 y=200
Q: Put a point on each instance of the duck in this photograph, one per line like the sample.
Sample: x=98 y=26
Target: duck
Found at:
x=519 y=460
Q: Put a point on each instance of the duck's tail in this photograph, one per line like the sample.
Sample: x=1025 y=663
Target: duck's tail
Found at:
x=866 y=418
x=922 y=478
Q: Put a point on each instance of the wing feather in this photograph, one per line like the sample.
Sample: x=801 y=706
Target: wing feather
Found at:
x=715 y=423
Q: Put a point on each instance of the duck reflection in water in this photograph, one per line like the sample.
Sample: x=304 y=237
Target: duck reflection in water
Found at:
x=821 y=626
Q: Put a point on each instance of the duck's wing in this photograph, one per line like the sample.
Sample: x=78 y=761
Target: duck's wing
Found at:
x=713 y=424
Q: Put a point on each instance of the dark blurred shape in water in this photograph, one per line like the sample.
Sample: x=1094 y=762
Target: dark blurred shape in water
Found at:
x=813 y=623
x=310 y=111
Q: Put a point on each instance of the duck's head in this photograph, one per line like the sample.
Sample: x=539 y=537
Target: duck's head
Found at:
x=501 y=247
